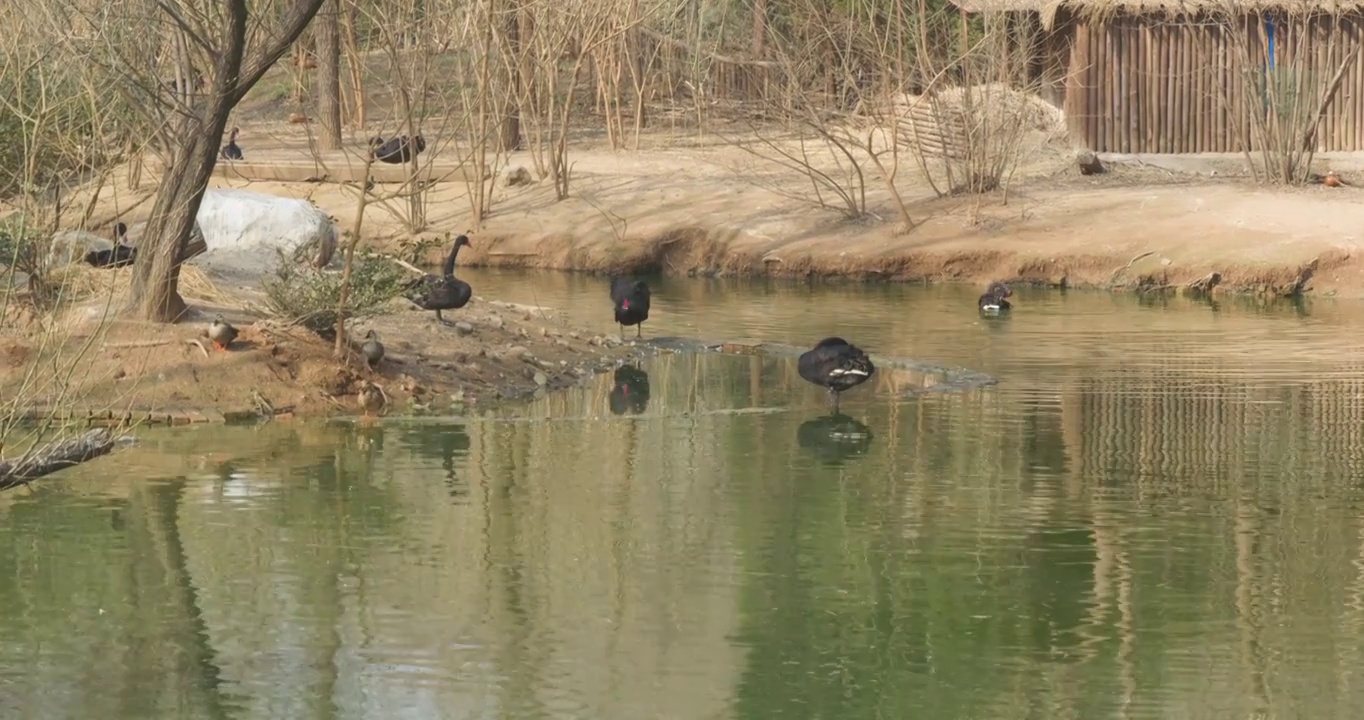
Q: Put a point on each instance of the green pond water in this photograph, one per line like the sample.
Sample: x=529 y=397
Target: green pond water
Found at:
x=1157 y=512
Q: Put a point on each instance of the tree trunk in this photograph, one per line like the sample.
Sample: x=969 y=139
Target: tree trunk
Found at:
x=328 y=77
x=759 y=41
x=156 y=273
x=196 y=137
x=510 y=136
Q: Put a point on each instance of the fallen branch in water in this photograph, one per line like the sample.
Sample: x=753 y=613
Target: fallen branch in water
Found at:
x=54 y=456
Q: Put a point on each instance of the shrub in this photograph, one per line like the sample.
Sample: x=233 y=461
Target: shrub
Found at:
x=311 y=299
x=23 y=248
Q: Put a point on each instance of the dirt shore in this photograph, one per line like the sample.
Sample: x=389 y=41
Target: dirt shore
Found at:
x=686 y=206
x=707 y=207
x=495 y=352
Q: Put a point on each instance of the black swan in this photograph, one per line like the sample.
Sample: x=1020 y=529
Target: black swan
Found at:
x=837 y=365
x=630 y=391
x=396 y=151
x=232 y=151
x=221 y=333
x=373 y=350
x=116 y=256
x=444 y=291
x=993 y=300
x=631 y=299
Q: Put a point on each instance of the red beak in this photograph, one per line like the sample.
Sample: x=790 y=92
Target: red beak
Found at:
x=624 y=304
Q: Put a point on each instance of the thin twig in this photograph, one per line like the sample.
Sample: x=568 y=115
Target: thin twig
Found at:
x=136 y=344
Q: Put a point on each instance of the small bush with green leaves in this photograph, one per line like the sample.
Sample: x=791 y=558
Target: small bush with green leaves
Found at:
x=312 y=299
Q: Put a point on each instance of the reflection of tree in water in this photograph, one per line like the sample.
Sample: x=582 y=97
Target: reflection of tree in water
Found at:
x=443 y=442
x=630 y=391
x=835 y=439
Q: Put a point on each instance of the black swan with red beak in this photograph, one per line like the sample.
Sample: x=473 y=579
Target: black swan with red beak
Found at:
x=993 y=302
x=837 y=365
x=631 y=298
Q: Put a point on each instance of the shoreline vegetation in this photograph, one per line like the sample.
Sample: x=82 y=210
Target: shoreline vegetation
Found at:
x=818 y=143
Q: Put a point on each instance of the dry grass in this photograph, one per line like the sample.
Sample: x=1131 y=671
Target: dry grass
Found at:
x=80 y=282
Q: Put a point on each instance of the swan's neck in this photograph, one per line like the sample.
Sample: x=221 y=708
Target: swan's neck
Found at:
x=450 y=261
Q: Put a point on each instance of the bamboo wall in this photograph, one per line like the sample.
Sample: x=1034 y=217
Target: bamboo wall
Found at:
x=1138 y=85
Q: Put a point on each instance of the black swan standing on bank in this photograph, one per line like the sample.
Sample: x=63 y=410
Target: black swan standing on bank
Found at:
x=396 y=151
x=232 y=151
x=629 y=391
x=993 y=300
x=444 y=291
x=837 y=365
x=116 y=256
x=631 y=298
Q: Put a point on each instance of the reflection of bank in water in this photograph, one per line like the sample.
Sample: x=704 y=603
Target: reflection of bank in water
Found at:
x=835 y=439
x=629 y=391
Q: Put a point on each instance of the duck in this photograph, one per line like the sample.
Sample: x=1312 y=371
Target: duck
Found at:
x=444 y=291
x=396 y=151
x=221 y=333
x=232 y=151
x=993 y=301
x=835 y=364
x=629 y=391
x=631 y=299
x=373 y=350
x=371 y=398
x=117 y=256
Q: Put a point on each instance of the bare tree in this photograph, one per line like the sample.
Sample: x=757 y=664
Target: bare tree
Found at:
x=218 y=50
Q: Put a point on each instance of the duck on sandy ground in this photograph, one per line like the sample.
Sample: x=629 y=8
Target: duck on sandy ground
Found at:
x=373 y=350
x=221 y=333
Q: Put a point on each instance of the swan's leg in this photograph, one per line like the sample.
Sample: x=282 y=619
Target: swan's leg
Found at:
x=639 y=331
x=833 y=398
x=622 y=331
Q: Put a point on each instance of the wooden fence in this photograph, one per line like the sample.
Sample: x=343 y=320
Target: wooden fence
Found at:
x=1138 y=85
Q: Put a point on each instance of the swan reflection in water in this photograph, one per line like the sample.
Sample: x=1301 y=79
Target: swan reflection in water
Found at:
x=629 y=391
x=835 y=438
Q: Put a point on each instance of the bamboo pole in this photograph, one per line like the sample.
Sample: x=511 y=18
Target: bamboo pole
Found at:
x=1109 y=95
x=1225 y=85
x=1167 y=59
x=1204 y=115
x=1091 y=89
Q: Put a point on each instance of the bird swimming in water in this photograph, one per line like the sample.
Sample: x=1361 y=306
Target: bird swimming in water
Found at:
x=993 y=302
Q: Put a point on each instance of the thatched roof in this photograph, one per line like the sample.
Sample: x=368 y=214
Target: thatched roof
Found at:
x=1098 y=8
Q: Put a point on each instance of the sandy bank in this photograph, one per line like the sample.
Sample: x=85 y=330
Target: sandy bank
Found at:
x=687 y=206
x=157 y=373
